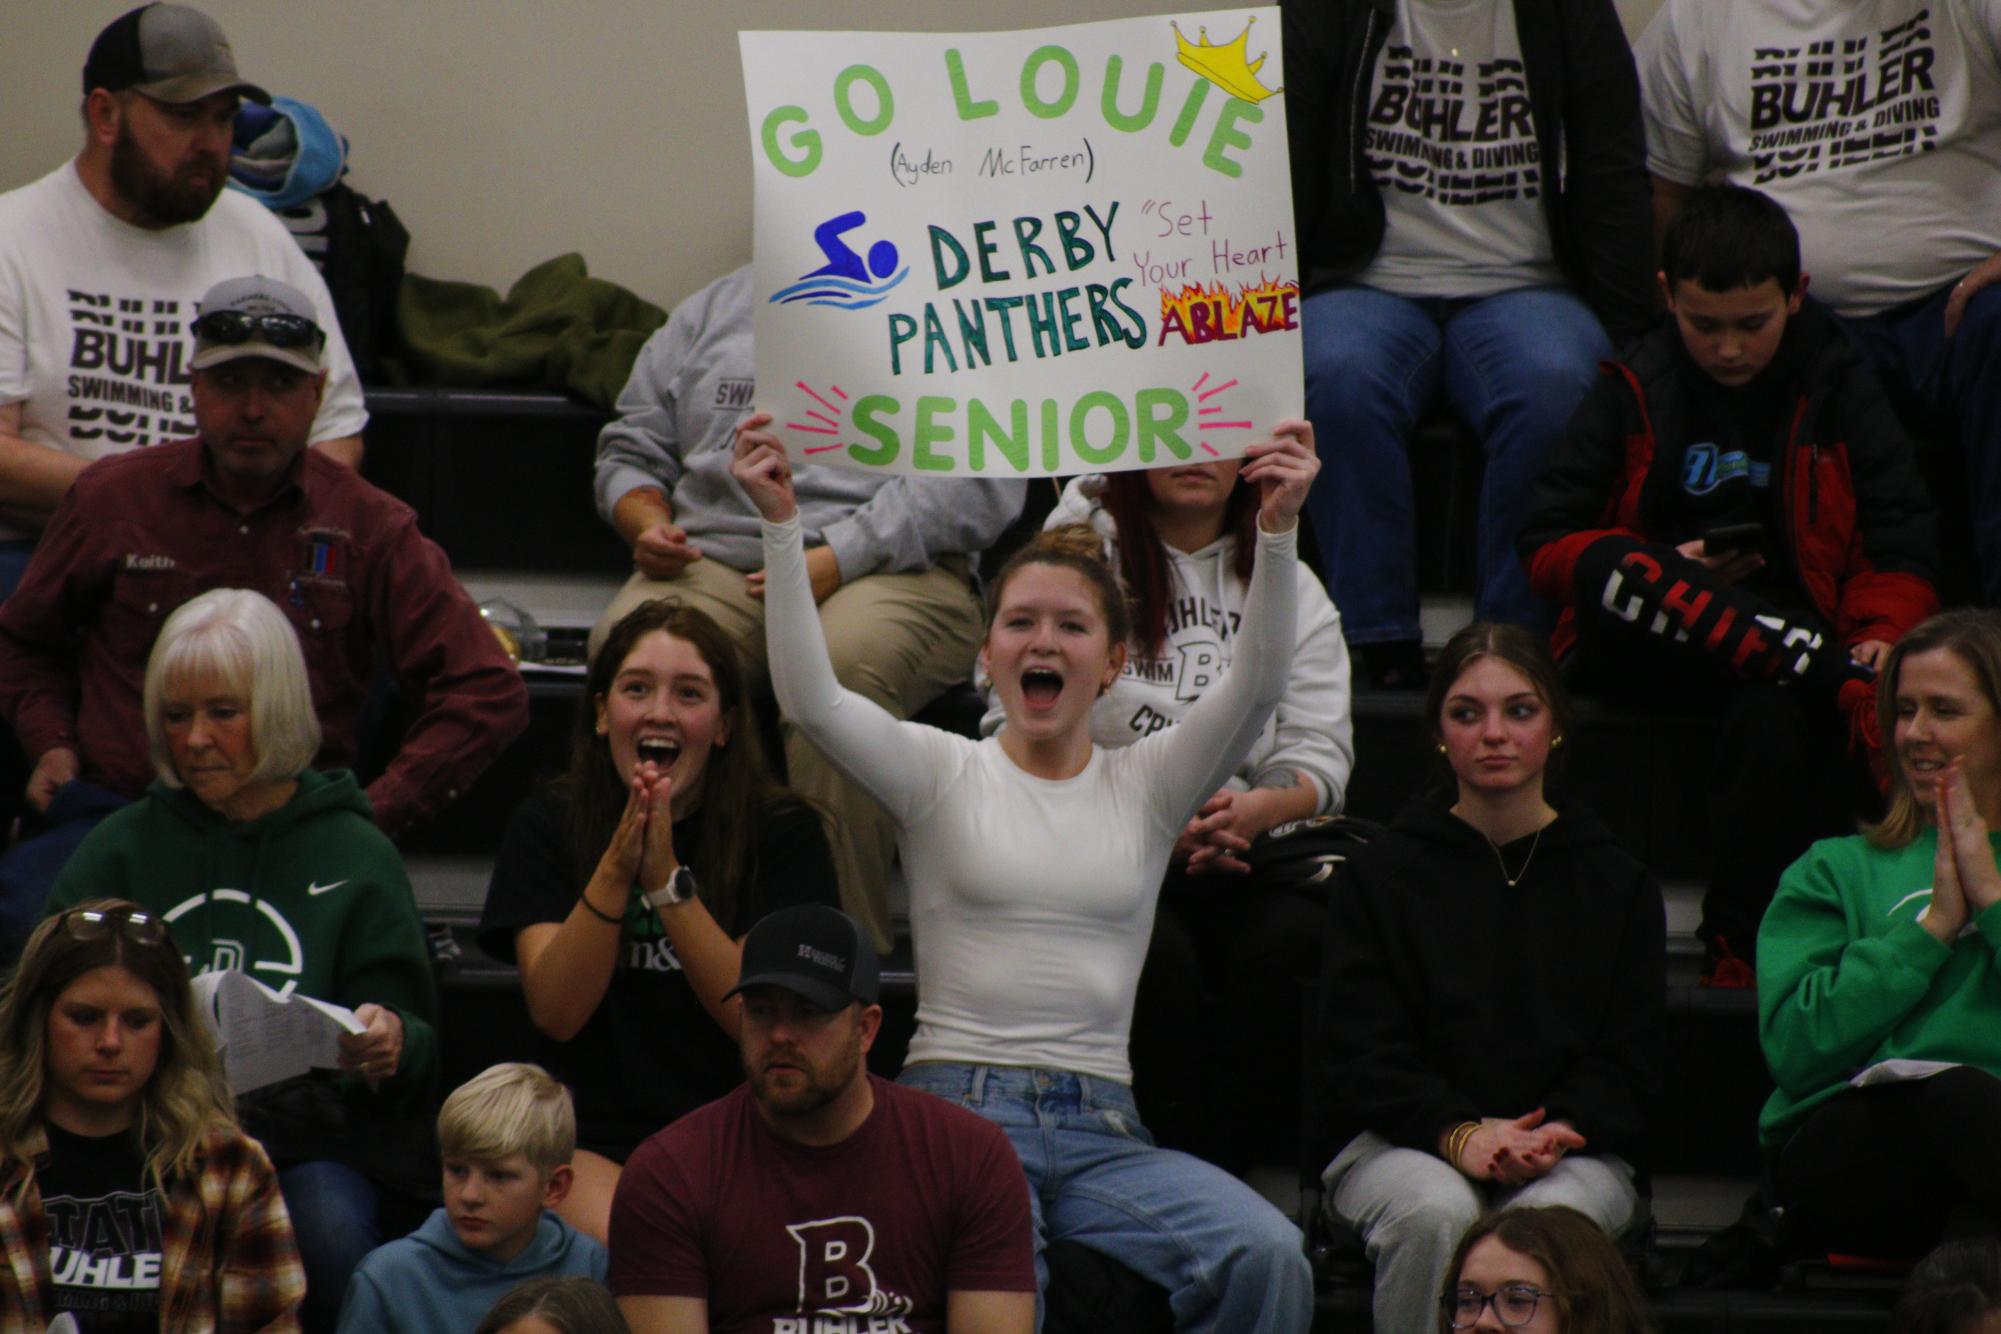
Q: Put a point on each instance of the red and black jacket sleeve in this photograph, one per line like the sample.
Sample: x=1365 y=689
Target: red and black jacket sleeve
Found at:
x=1590 y=485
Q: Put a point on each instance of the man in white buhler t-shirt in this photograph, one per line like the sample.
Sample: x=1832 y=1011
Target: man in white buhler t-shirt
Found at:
x=103 y=260
x=1877 y=126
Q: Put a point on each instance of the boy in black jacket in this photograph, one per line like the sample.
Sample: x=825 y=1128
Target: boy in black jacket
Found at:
x=1735 y=525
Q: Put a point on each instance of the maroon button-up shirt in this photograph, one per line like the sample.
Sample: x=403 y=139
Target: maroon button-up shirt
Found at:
x=141 y=533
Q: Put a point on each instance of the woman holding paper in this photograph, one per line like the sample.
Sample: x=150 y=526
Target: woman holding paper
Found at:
x=114 y=1097
x=1877 y=978
x=1034 y=860
x=262 y=865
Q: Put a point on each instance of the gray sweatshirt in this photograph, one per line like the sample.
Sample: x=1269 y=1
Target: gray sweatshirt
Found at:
x=693 y=382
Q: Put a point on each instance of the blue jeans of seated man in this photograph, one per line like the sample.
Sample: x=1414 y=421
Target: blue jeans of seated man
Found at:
x=1959 y=377
x=333 y=1216
x=1513 y=365
x=1412 y=1207
x=1230 y=1262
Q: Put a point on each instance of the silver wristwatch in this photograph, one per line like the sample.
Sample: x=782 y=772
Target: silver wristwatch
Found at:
x=680 y=887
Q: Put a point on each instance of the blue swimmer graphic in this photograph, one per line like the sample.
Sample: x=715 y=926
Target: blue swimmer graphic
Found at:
x=842 y=261
x=845 y=280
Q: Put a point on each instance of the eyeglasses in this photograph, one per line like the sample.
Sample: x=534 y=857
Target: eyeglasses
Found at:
x=1514 y=1305
x=141 y=928
x=231 y=327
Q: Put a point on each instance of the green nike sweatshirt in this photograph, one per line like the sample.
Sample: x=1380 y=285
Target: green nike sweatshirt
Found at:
x=1847 y=977
x=310 y=898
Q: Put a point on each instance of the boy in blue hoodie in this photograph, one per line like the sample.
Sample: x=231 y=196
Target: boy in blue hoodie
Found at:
x=507 y=1136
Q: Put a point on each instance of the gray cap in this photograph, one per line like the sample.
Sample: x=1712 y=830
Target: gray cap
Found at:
x=294 y=339
x=171 y=53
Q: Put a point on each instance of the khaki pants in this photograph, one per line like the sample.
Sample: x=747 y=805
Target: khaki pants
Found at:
x=899 y=639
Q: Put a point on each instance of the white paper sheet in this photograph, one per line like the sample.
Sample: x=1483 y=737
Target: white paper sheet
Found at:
x=1900 y=1071
x=264 y=1036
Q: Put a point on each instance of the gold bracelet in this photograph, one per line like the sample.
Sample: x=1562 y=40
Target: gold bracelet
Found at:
x=1455 y=1143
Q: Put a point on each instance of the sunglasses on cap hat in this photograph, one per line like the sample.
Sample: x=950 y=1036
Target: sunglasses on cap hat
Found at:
x=230 y=328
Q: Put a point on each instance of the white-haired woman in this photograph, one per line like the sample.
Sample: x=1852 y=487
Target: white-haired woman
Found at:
x=261 y=864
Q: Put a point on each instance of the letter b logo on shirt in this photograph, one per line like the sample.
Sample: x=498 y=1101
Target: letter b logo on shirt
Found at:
x=833 y=1263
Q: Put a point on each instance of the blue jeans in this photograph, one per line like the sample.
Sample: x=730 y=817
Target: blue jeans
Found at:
x=333 y=1216
x=1513 y=365
x=1229 y=1261
x=1957 y=377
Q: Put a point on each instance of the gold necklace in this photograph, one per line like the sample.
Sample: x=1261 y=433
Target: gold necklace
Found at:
x=1516 y=878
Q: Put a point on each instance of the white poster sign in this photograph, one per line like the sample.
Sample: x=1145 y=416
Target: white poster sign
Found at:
x=1025 y=253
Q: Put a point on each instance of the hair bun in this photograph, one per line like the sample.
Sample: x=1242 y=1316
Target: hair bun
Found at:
x=1074 y=541
x=1080 y=548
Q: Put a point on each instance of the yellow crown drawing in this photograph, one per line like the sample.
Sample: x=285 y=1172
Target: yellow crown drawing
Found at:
x=1225 y=65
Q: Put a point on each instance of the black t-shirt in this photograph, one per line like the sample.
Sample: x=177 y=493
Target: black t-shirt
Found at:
x=649 y=1053
x=104 y=1232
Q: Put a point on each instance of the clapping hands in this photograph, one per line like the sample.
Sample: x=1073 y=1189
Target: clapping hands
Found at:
x=1965 y=880
x=642 y=844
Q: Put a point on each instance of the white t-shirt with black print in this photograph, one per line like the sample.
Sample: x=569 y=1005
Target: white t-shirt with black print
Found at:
x=1875 y=123
x=1451 y=146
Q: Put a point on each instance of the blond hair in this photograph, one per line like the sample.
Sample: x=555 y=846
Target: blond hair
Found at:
x=1972 y=635
x=186 y=1096
x=507 y=1109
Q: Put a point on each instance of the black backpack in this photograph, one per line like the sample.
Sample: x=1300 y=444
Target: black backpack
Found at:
x=359 y=245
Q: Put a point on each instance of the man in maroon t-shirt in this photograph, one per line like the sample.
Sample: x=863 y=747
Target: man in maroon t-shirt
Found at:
x=816 y=1198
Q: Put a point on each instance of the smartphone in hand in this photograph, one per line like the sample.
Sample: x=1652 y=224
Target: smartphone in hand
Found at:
x=1730 y=538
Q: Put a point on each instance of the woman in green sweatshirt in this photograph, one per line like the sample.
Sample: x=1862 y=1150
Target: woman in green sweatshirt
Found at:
x=262 y=865
x=1879 y=994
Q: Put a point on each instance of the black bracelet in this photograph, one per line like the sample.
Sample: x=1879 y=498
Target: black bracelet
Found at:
x=598 y=912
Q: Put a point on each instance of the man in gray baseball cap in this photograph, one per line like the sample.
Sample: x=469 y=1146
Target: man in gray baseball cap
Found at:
x=243 y=503
x=257 y=317
x=162 y=79
x=101 y=262
x=171 y=53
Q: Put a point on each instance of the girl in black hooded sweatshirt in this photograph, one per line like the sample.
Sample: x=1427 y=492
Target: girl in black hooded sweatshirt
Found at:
x=1493 y=990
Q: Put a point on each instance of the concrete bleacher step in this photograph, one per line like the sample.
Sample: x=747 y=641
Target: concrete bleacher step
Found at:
x=1689 y=1208
x=564 y=599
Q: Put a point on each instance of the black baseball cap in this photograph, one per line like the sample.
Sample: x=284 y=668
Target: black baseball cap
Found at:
x=171 y=53
x=813 y=951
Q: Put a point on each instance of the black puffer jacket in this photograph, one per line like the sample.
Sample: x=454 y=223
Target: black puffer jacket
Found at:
x=1855 y=525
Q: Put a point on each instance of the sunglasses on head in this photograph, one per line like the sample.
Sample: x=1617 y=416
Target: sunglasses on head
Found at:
x=136 y=925
x=231 y=327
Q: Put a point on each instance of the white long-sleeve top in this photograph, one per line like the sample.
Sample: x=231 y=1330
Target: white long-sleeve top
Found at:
x=1031 y=900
